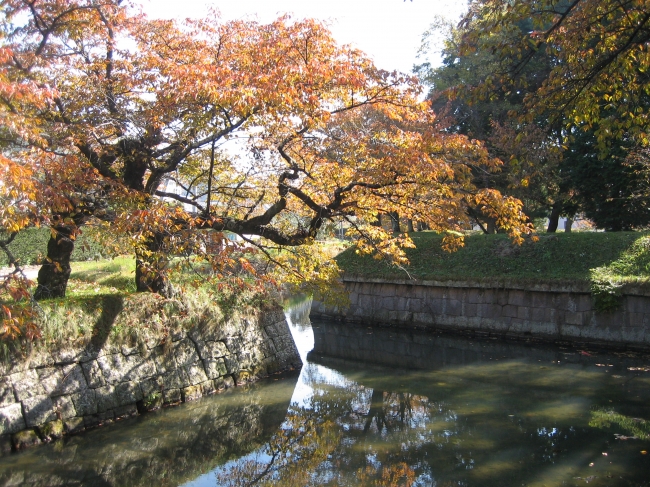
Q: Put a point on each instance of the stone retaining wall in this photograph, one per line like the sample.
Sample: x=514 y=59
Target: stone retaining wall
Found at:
x=73 y=389
x=547 y=312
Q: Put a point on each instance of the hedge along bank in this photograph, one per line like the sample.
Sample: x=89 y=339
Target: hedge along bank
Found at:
x=545 y=311
x=136 y=353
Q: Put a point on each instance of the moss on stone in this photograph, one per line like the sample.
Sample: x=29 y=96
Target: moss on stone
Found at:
x=25 y=439
x=52 y=430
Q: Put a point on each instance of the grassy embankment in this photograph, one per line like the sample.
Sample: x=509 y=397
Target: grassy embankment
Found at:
x=102 y=300
x=101 y=306
x=606 y=261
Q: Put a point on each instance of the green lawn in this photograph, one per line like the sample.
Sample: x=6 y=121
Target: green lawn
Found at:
x=556 y=257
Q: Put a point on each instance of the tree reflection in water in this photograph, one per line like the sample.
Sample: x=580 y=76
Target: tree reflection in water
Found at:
x=330 y=440
x=353 y=430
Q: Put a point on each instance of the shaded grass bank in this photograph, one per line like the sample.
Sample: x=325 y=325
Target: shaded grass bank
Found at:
x=560 y=257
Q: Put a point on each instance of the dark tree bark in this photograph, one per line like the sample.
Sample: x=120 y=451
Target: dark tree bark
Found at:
x=568 y=224
x=553 y=219
x=491 y=225
x=409 y=226
x=54 y=273
x=151 y=267
x=394 y=220
x=377 y=222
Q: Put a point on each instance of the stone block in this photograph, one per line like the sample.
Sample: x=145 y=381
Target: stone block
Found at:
x=195 y=374
x=73 y=379
x=502 y=297
x=423 y=318
x=415 y=305
x=523 y=313
x=517 y=297
x=38 y=410
x=127 y=393
x=173 y=380
x=66 y=356
x=172 y=396
x=388 y=303
x=495 y=311
x=164 y=360
x=228 y=382
x=185 y=352
x=584 y=303
x=11 y=419
x=474 y=296
x=272 y=330
x=436 y=306
x=573 y=318
x=126 y=411
x=510 y=310
x=213 y=349
x=455 y=293
x=93 y=374
x=7 y=396
x=490 y=296
x=106 y=399
x=74 y=425
x=152 y=386
x=208 y=387
x=550 y=315
x=235 y=345
x=152 y=401
x=482 y=310
x=636 y=319
x=117 y=368
x=50 y=378
x=63 y=407
x=541 y=300
x=419 y=292
x=98 y=419
x=27 y=384
x=571 y=304
x=191 y=393
x=129 y=349
x=246 y=359
x=85 y=402
x=537 y=315
x=366 y=301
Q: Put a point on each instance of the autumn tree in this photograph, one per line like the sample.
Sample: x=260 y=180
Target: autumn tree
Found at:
x=268 y=129
x=575 y=70
x=601 y=49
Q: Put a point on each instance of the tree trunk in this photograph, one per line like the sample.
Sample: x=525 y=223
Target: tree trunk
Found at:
x=377 y=222
x=409 y=226
x=54 y=273
x=568 y=224
x=554 y=218
x=151 y=268
x=394 y=220
x=491 y=225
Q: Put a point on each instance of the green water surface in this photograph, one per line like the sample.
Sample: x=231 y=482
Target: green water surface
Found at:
x=381 y=407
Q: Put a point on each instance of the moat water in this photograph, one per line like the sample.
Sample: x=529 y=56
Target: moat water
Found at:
x=377 y=406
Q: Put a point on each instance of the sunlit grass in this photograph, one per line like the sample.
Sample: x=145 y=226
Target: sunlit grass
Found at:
x=114 y=276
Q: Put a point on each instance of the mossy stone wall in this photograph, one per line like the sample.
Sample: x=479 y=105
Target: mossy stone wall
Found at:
x=545 y=312
x=73 y=388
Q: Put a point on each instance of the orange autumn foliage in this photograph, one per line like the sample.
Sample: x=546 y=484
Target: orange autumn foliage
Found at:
x=271 y=130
